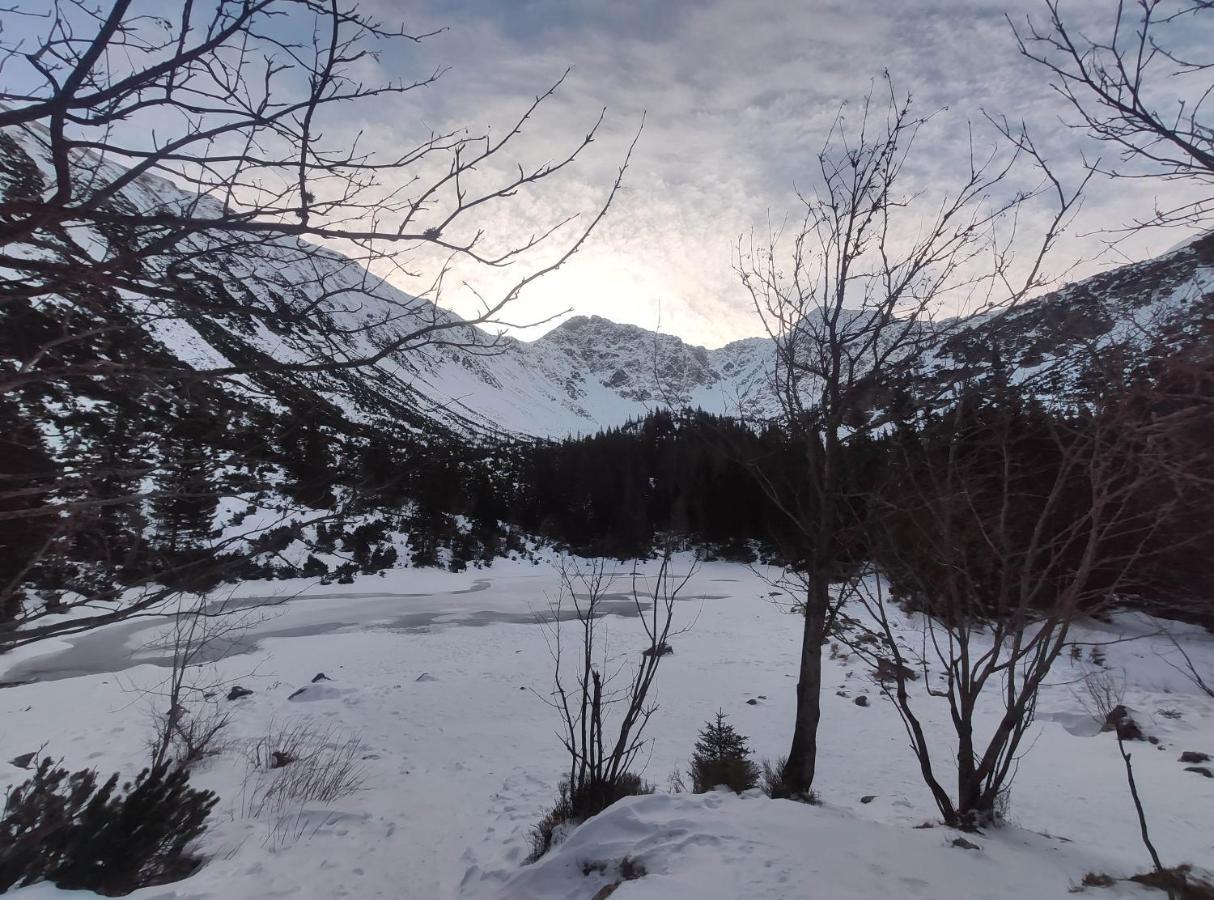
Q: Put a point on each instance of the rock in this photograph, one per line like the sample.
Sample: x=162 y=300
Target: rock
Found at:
x=278 y=759
x=868 y=798
x=752 y=702
x=1193 y=756
x=23 y=761
x=888 y=670
x=862 y=700
x=962 y=844
x=1120 y=720
x=237 y=692
x=762 y=696
x=662 y=649
x=320 y=676
x=425 y=676
x=606 y=891
x=1200 y=770
x=298 y=693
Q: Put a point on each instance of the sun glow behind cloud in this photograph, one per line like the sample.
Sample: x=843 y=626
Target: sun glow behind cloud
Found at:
x=737 y=100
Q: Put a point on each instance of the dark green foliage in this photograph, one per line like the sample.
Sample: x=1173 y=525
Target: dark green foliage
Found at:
x=575 y=807
x=64 y=828
x=722 y=757
x=307 y=457
x=314 y=568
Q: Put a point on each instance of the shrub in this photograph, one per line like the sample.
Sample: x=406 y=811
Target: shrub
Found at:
x=576 y=806
x=298 y=764
x=776 y=786
x=61 y=827
x=188 y=735
x=314 y=568
x=722 y=757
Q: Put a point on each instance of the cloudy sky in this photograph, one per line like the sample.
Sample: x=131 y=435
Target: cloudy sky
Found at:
x=737 y=97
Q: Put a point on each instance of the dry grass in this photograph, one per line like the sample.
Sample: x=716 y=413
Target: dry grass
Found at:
x=296 y=764
x=1100 y=692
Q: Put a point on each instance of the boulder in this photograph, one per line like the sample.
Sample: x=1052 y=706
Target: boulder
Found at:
x=237 y=692
x=1193 y=756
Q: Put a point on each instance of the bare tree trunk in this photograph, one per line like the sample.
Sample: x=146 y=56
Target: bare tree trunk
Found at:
x=802 y=763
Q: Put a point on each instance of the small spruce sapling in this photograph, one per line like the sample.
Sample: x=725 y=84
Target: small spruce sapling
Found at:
x=722 y=757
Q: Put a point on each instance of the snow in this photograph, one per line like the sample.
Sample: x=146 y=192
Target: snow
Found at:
x=720 y=847
x=584 y=375
x=437 y=675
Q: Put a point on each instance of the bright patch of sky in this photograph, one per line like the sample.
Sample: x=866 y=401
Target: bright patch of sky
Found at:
x=737 y=99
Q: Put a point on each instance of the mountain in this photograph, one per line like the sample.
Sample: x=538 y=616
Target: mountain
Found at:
x=586 y=374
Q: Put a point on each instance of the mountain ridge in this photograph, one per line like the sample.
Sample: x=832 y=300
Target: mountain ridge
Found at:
x=587 y=373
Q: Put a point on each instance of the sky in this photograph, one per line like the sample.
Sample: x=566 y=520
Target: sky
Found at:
x=737 y=98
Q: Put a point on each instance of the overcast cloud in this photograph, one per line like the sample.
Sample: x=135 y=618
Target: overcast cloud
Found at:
x=737 y=97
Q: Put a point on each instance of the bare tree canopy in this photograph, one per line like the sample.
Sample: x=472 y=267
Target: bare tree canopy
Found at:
x=174 y=182
x=243 y=107
x=874 y=271
x=1140 y=84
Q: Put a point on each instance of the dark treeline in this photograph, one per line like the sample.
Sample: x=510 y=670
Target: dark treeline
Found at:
x=712 y=482
x=689 y=474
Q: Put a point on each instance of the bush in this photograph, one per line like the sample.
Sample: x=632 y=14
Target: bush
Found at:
x=61 y=827
x=722 y=757
x=776 y=786
x=575 y=807
x=190 y=735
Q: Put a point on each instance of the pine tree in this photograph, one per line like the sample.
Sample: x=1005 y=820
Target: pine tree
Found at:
x=722 y=757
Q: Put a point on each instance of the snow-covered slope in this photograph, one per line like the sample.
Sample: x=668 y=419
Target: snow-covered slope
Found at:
x=233 y=308
x=590 y=373
x=442 y=677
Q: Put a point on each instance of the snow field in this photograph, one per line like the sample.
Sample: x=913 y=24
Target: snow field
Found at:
x=437 y=675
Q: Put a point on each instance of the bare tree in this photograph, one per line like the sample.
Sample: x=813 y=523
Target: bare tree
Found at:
x=1139 y=84
x=860 y=299
x=1000 y=524
x=168 y=169
x=603 y=723
x=201 y=634
x=239 y=106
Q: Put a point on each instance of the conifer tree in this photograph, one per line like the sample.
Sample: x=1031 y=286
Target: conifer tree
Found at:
x=722 y=756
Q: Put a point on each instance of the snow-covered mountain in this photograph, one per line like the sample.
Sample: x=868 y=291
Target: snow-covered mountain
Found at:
x=234 y=308
x=590 y=373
